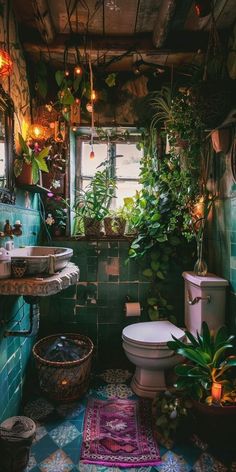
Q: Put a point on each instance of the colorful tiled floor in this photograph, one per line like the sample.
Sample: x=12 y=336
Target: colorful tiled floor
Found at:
x=60 y=429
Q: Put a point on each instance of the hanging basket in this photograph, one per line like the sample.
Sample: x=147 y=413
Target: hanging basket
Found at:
x=63 y=380
x=213 y=99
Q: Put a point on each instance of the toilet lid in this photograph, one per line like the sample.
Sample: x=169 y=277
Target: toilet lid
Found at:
x=152 y=332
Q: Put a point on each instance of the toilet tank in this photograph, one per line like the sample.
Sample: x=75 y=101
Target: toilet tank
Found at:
x=204 y=301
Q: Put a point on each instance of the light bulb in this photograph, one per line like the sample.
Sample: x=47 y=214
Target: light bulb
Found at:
x=92 y=155
x=93 y=95
x=78 y=70
x=67 y=73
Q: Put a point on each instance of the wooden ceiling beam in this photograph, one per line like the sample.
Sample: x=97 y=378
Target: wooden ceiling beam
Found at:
x=185 y=41
x=43 y=20
x=162 y=24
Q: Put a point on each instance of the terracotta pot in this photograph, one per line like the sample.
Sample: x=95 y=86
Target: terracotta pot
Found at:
x=92 y=227
x=220 y=139
x=26 y=176
x=114 y=226
x=215 y=424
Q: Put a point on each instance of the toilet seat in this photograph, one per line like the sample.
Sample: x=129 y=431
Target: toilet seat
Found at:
x=152 y=334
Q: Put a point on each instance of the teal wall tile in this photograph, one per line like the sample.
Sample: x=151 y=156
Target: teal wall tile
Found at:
x=106 y=280
x=221 y=248
x=16 y=351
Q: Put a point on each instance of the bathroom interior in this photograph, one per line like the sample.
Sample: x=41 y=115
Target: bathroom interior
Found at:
x=117 y=230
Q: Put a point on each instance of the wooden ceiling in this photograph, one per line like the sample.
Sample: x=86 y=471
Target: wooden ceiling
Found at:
x=118 y=33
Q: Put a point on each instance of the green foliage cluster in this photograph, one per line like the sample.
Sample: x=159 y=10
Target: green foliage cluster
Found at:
x=94 y=200
x=170 y=410
x=34 y=158
x=208 y=361
x=162 y=219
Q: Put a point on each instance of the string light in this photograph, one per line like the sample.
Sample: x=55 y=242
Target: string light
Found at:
x=78 y=70
x=93 y=95
x=67 y=73
x=92 y=154
x=36 y=131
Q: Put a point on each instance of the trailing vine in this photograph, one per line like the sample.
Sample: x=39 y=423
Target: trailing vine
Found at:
x=164 y=220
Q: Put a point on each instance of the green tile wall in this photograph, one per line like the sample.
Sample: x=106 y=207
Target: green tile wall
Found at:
x=15 y=352
x=221 y=251
x=96 y=306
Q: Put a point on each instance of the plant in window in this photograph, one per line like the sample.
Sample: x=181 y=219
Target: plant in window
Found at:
x=92 y=203
x=31 y=159
x=122 y=220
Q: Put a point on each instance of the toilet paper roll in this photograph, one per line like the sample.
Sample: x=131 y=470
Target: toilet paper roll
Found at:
x=132 y=309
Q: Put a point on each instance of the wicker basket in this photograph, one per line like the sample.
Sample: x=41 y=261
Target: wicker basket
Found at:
x=63 y=380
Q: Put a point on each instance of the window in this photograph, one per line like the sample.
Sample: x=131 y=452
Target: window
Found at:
x=125 y=163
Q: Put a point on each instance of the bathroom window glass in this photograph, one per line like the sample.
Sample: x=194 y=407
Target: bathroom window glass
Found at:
x=125 y=166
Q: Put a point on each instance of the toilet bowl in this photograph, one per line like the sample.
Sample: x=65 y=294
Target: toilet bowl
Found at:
x=145 y=344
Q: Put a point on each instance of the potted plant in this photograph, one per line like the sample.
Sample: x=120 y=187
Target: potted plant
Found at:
x=30 y=162
x=178 y=113
x=92 y=203
x=207 y=376
x=171 y=411
x=115 y=223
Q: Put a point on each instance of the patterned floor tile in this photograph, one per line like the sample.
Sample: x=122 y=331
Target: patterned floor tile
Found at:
x=189 y=452
x=73 y=449
x=64 y=434
x=71 y=410
x=207 y=463
x=59 y=430
x=43 y=448
x=57 y=462
x=116 y=375
x=93 y=468
x=114 y=391
x=40 y=432
x=31 y=464
x=173 y=463
x=38 y=409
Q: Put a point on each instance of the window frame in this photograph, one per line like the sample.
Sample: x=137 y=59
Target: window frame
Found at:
x=84 y=135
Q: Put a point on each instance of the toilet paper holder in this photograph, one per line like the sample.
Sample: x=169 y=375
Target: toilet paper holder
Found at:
x=132 y=308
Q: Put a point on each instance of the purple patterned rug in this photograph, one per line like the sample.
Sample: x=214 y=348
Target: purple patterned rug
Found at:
x=119 y=433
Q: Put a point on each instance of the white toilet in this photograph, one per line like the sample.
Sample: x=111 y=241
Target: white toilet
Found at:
x=145 y=344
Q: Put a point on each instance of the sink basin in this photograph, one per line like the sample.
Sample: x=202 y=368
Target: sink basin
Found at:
x=42 y=259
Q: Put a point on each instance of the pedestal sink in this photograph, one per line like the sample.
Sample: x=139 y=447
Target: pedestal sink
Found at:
x=33 y=287
x=42 y=259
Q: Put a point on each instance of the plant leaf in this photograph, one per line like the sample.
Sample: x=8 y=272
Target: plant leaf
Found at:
x=59 y=76
x=35 y=172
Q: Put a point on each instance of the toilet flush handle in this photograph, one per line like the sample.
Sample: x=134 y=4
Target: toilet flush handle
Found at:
x=197 y=299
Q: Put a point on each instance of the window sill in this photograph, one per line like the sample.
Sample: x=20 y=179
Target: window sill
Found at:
x=94 y=238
